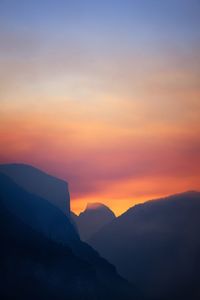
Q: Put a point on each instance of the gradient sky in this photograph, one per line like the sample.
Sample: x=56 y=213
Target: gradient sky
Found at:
x=105 y=94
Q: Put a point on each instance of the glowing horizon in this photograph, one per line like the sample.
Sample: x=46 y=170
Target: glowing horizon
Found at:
x=103 y=95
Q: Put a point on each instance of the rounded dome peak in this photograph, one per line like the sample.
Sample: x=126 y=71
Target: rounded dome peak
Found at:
x=98 y=207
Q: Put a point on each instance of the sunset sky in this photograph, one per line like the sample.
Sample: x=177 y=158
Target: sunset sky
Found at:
x=104 y=94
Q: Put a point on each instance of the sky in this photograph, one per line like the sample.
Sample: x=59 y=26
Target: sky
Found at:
x=104 y=94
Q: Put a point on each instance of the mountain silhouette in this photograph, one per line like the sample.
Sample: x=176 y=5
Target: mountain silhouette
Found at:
x=37 y=212
x=42 y=256
x=39 y=183
x=92 y=219
x=35 y=267
x=157 y=246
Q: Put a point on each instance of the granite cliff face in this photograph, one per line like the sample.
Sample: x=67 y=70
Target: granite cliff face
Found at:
x=40 y=183
x=42 y=256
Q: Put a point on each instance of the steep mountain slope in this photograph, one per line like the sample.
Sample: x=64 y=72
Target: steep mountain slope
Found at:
x=39 y=183
x=42 y=256
x=157 y=246
x=35 y=267
x=92 y=219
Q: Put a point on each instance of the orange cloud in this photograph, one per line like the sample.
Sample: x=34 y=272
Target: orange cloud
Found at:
x=116 y=165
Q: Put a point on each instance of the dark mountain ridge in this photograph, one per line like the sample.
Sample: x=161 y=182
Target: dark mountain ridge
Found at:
x=39 y=183
x=35 y=267
x=156 y=245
